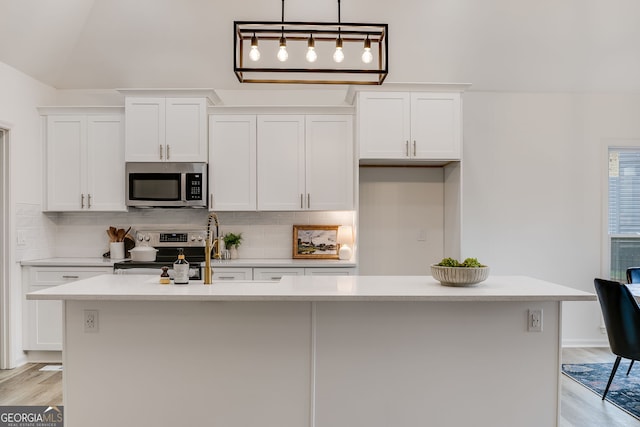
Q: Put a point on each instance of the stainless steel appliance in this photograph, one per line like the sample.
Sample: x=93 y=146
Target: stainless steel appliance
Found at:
x=167 y=244
x=166 y=185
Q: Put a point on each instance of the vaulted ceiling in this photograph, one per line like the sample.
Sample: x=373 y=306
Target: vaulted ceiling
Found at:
x=542 y=45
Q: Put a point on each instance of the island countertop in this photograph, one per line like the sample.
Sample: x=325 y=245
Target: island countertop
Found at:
x=312 y=288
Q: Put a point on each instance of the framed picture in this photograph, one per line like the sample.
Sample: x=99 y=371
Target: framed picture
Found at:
x=315 y=241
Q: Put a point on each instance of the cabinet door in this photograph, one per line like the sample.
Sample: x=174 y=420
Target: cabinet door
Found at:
x=186 y=130
x=330 y=271
x=281 y=163
x=435 y=126
x=42 y=320
x=145 y=129
x=105 y=163
x=384 y=125
x=232 y=163
x=329 y=162
x=275 y=274
x=232 y=273
x=65 y=163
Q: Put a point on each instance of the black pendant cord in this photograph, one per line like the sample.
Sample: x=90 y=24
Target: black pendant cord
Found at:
x=282 y=18
x=338 y=18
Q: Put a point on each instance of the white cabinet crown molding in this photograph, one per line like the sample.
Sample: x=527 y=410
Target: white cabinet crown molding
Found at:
x=80 y=109
x=281 y=109
x=208 y=93
x=353 y=90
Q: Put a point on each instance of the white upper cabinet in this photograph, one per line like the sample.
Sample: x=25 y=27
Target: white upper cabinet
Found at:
x=85 y=163
x=329 y=162
x=305 y=162
x=166 y=129
x=105 y=163
x=281 y=185
x=409 y=126
x=384 y=121
x=232 y=162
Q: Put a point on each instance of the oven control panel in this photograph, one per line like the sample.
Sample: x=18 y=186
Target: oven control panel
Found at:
x=171 y=238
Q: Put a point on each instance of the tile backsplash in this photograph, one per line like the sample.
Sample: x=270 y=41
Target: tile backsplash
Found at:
x=83 y=234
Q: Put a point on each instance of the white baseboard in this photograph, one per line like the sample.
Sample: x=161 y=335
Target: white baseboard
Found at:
x=585 y=343
x=44 y=356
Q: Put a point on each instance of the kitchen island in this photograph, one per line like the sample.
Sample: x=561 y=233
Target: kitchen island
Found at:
x=311 y=351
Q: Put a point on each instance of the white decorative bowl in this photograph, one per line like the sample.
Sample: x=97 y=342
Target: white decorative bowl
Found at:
x=459 y=276
x=143 y=253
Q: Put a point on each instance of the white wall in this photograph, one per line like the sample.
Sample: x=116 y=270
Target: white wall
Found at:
x=19 y=96
x=533 y=188
x=401 y=220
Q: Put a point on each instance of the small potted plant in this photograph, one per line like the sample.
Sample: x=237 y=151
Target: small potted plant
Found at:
x=231 y=242
x=451 y=272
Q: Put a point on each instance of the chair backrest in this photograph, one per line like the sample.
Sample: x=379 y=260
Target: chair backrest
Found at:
x=621 y=317
x=633 y=275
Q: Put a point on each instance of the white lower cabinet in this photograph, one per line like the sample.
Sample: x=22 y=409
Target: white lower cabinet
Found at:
x=274 y=273
x=42 y=319
x=226 y=273
x=333 y=271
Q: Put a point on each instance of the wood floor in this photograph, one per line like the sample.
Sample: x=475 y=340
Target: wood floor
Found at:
x=27 y=385
x=580 y=407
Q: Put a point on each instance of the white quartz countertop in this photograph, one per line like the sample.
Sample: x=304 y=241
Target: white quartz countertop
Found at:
x=70 y=262
x=231 y=263
x=312 y=288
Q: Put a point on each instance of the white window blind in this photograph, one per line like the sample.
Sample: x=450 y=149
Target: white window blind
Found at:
x=624 y=210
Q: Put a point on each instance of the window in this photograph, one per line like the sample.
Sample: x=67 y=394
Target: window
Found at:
x=624 y=210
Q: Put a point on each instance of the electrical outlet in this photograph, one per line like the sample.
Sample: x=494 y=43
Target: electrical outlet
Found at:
x=22 y=238
x=91 y=320
x=535 y=320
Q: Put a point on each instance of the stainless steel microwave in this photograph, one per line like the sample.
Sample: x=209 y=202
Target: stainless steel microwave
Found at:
x=166 y=185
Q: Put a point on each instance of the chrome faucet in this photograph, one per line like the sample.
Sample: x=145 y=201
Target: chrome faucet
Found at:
x=207 y=247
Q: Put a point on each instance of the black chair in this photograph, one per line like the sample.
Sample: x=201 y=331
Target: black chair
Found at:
x=622 y=319
x=633 y=275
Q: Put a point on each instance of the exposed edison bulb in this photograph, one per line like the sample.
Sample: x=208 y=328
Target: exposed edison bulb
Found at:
x=311 y=50
x=282 y=53
x=254 y=54
x=338 y=55
x=367 y=56
x=312 y=55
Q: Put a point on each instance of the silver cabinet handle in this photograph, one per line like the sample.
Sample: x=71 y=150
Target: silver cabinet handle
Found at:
x=414 y=148
x=226 y=277
x=308 y=200
x=89 y=201
x=82 y=201
x=160 y=151
x=301 y=201
x=276 y=277
x=406 y=148
x=168 y=151
x=211 y=200
x=70 y=277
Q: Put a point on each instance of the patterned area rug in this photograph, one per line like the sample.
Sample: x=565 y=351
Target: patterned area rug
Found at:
x=624 y=391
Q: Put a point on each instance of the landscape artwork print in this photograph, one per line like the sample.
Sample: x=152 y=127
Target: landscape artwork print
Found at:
x=315 y=241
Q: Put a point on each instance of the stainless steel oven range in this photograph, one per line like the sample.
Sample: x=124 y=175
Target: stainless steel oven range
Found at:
x=167 y=242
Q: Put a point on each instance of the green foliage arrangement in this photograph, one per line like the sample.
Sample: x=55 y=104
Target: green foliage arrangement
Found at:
x=231 y=239
x=469 y=262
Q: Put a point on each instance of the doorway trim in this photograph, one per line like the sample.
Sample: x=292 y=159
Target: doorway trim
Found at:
x=6 y=360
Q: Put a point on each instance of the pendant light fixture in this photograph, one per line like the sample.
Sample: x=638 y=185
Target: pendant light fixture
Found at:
x=318 y=65
x=338 y=55
x=367 y=56
x=283 y=55
x=311 y=50
x=254 y=54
